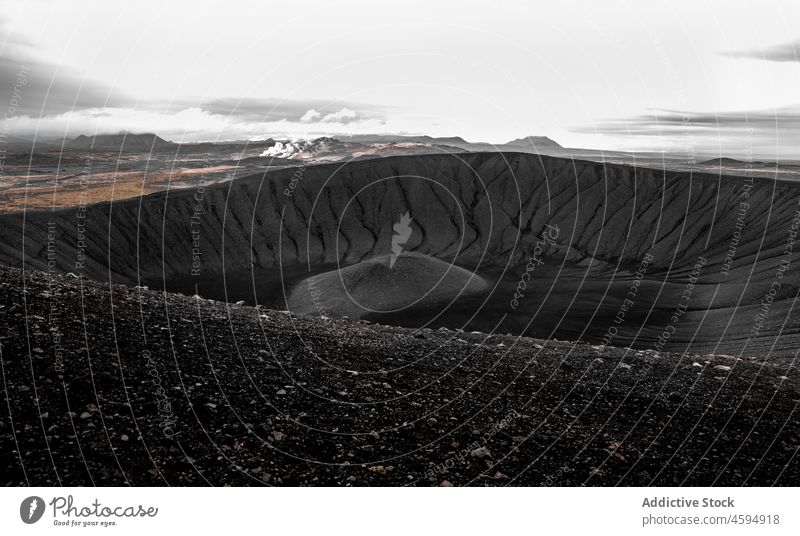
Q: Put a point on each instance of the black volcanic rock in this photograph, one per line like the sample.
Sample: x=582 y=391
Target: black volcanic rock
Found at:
x=114 y=385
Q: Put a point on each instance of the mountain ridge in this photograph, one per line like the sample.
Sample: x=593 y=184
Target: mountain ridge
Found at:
x=122 y=142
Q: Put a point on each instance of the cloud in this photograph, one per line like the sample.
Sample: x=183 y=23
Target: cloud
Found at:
x=267 y=109
x=345 y=115
x=189 y=121
x=761 y=132
x=53 y=101
x=46 y=88
x=661 y=120
x=249 y=108
x=781 y=52
x=196 y=124
x=49 y=90
x=51 y=93
x=310 y=116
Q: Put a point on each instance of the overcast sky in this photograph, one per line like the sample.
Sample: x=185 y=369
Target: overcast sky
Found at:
x=659 y=75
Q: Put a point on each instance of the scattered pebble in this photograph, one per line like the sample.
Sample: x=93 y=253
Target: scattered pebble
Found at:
x=480 y=453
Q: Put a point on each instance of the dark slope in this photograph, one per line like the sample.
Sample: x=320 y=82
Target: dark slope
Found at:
x=486 y=212
x=615 y=213
x=110 y=385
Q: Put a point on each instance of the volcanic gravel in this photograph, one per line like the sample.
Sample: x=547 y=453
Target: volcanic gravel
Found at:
x=116 y=385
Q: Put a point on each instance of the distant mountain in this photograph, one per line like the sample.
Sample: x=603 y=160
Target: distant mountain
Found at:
x=362 y=146
x=319 y=149
x=392 y=138
x=530 y=142
x=725 y=162
x=124 y=141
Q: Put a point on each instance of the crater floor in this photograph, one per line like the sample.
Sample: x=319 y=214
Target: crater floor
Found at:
x=381 y=286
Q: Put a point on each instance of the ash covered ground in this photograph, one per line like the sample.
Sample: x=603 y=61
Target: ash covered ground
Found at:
x=114 y=385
